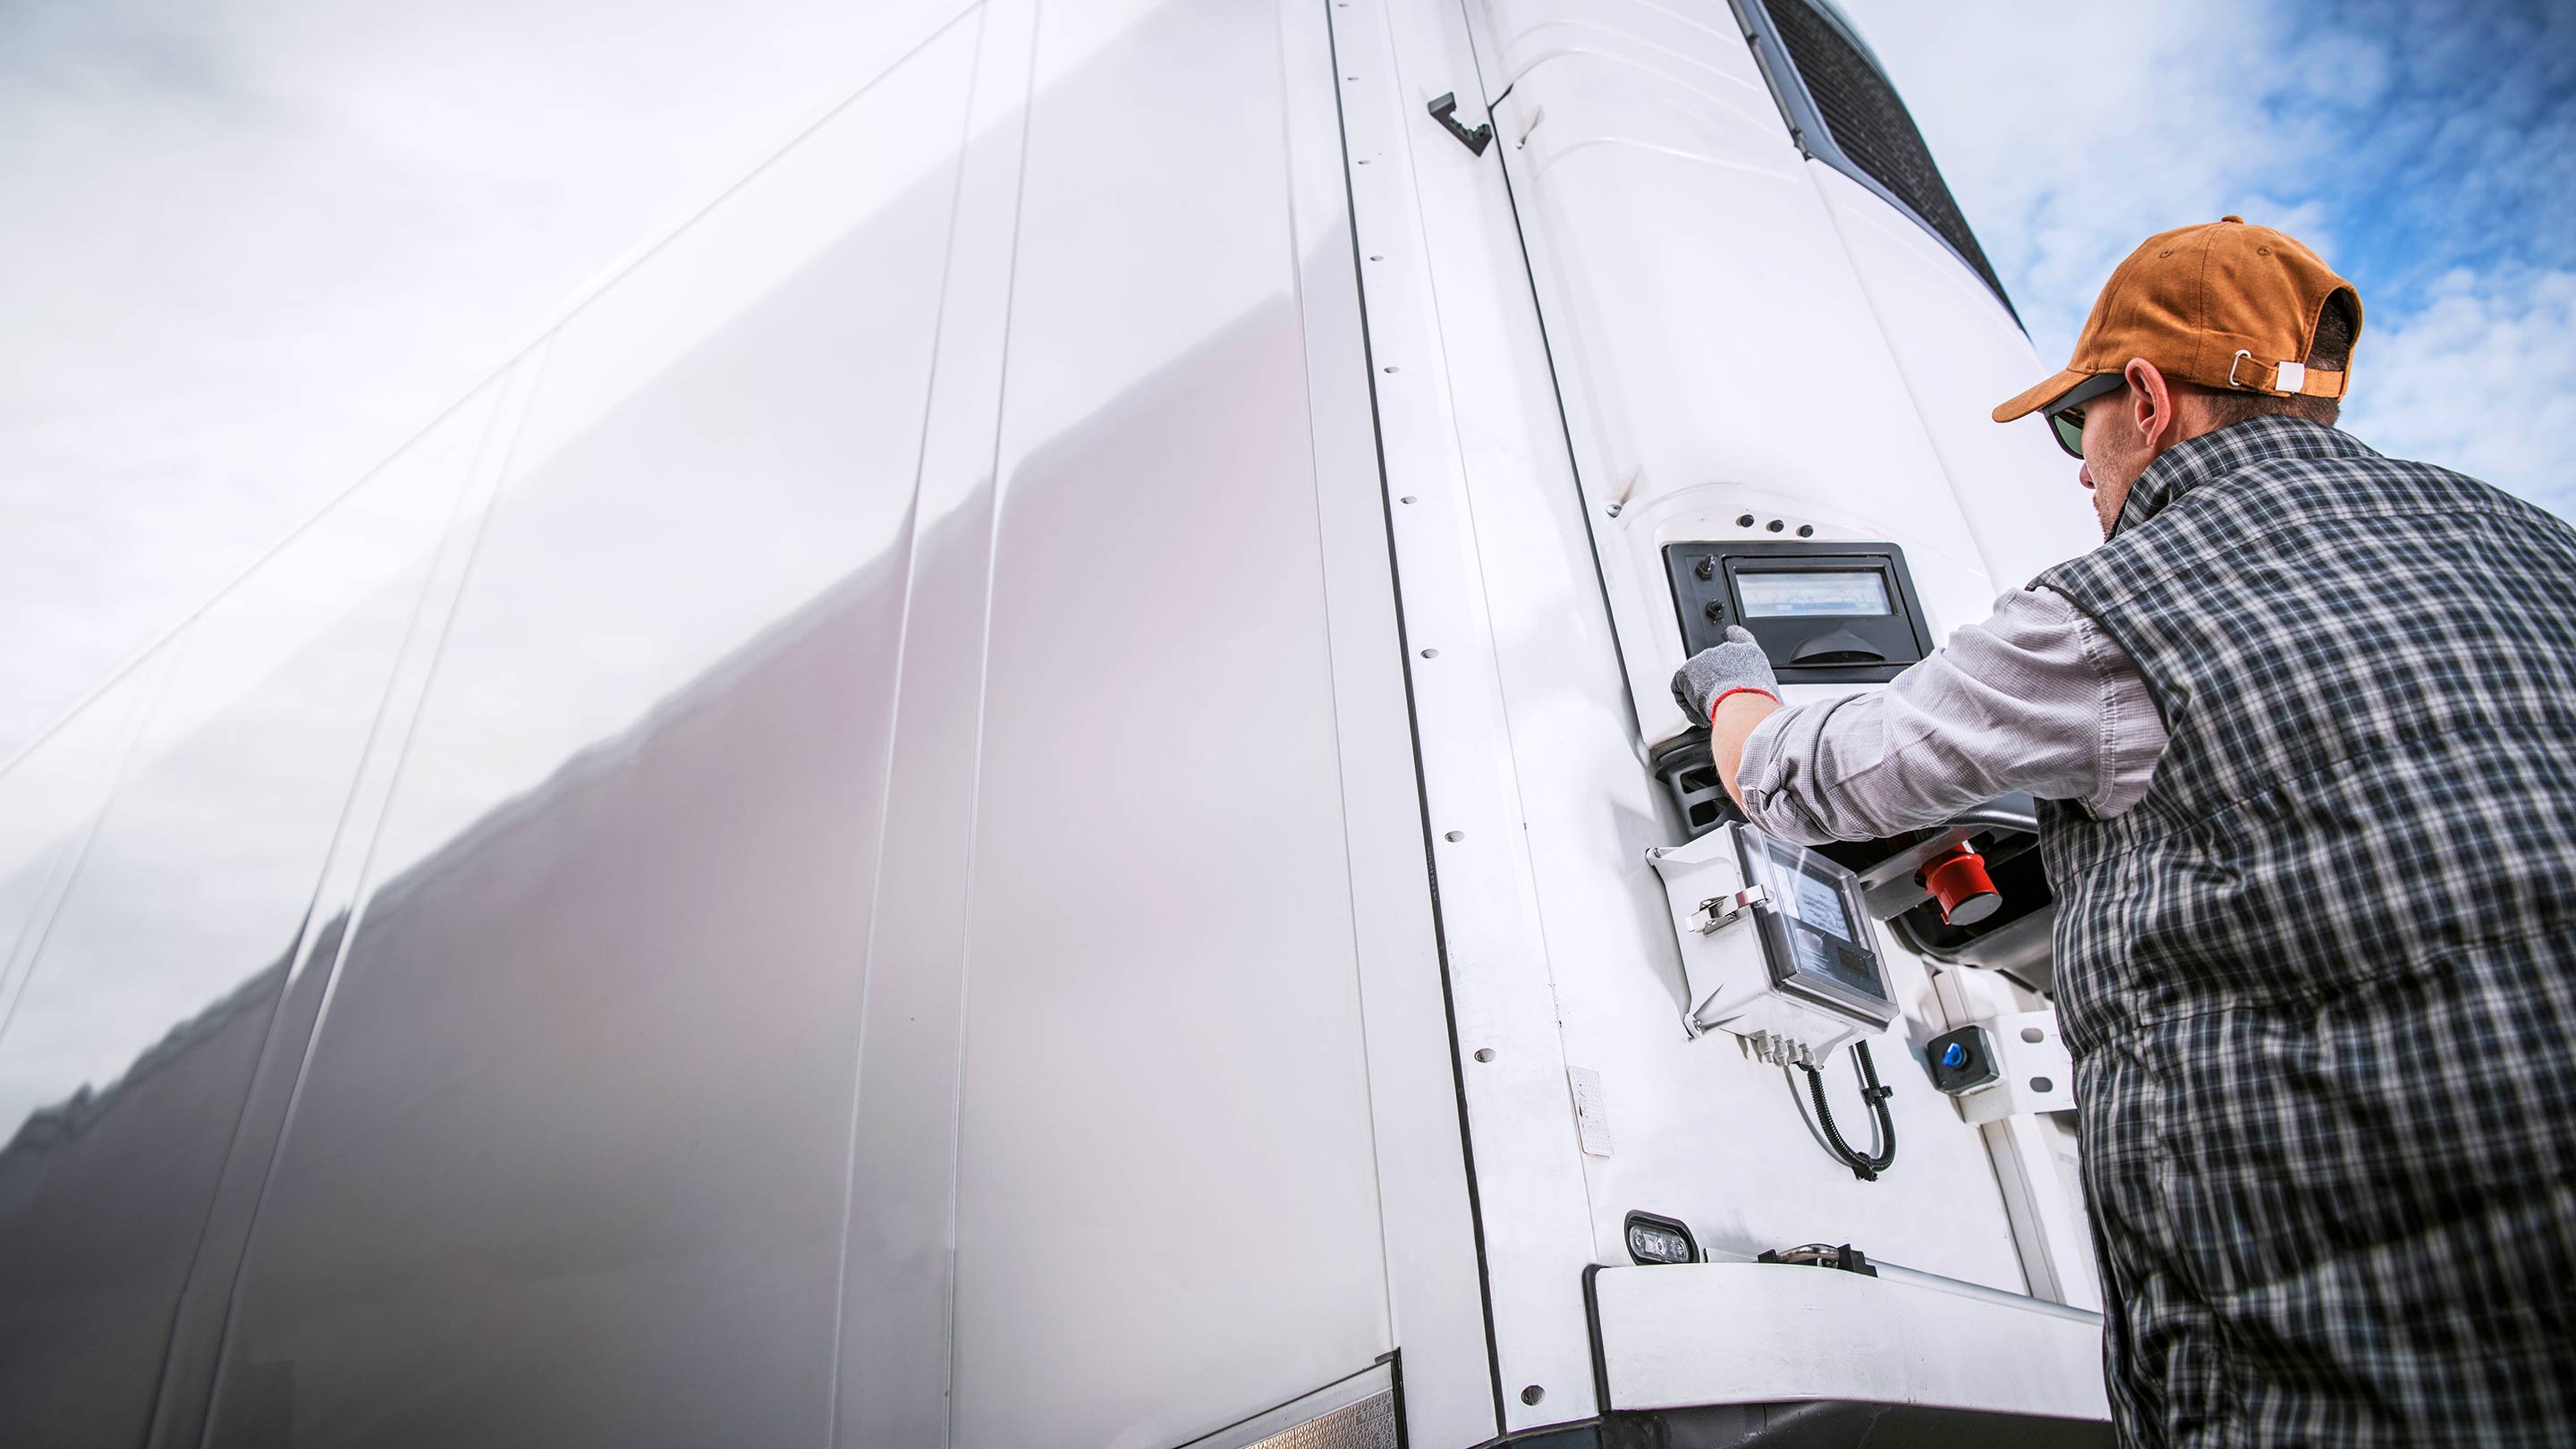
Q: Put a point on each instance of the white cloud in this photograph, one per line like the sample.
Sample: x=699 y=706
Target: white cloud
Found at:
x=2071 y=133
x=2482 y=379
x=2428 y=151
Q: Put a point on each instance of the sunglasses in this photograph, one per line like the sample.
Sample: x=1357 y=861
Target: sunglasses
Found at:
x=2066 y=419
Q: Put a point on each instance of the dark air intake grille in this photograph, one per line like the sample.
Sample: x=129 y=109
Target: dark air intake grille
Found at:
x=1864 y=118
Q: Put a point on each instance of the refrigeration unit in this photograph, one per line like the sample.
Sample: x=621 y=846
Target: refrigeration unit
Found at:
x=1021 y=789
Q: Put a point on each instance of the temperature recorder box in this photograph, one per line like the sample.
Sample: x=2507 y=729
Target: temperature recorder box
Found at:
x=1776 y=943
x=1825 y=613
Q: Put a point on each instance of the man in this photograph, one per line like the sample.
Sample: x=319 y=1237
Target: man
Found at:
x=2304 y=733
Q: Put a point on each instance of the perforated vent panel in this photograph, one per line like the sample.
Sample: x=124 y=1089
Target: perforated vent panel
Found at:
x=1865 y=120
x=1368 y=1424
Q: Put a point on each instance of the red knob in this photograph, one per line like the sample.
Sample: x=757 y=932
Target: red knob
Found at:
x=1957 y=879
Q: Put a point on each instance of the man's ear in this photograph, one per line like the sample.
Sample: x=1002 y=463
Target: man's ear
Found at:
x=2152 y=405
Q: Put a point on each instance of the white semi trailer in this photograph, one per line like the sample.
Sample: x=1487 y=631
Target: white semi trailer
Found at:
x=1020 y=791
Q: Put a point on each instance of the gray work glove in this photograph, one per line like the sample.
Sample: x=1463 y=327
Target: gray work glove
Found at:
x=1739 y=663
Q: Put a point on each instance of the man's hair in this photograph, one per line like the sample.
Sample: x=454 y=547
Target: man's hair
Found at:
x=2331 y=351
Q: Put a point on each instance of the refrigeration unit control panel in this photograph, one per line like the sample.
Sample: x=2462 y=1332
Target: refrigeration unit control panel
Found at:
x=1825 y=612
x=1776 y=944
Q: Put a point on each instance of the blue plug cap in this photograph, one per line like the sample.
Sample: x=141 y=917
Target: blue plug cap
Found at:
x=1955 y=1055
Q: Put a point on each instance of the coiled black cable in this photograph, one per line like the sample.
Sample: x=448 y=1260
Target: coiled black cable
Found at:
x=1865 y=1168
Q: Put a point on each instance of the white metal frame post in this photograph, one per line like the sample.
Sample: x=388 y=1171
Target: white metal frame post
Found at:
x=1436 y=1302
x=1458 y=366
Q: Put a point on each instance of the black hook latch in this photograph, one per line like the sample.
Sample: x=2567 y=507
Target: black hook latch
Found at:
x=1445 y=111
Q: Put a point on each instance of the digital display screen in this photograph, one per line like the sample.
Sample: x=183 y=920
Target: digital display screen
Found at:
x=1837 y=960
x=1823 y=937
x=1817 y=903
x=1790 y=595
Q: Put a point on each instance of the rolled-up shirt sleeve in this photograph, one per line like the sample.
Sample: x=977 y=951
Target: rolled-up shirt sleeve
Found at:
x=2037 y=699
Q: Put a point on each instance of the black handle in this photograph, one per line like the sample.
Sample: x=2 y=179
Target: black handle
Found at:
x=1842 y=646
x=1445 y=111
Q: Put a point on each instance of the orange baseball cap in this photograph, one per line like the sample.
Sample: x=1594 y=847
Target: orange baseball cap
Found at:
x=2222 y=304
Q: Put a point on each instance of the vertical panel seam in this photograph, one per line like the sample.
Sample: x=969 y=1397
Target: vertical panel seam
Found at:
x=1421 y=776
x=509 y=418
x=300 y=951
x=983 y=683
x=1332 y=679
x=894 y=727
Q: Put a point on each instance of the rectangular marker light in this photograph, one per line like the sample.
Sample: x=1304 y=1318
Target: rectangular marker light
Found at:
x=1659 y=1240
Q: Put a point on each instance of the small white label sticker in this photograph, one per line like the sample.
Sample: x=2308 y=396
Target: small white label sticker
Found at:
x=1591 y=1111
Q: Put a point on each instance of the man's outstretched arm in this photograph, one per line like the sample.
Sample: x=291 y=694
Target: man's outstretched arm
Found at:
x=2034 y=699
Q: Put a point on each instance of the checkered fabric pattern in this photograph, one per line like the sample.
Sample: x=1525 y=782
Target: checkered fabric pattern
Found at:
x=2321 y=982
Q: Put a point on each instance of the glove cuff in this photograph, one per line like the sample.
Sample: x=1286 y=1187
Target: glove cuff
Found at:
x=1726 y=695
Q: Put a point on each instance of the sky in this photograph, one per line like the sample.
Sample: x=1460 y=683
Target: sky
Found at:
x=254 y=245
x=2426 y=148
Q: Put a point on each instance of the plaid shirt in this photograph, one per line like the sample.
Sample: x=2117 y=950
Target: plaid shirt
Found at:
x=2321 y=981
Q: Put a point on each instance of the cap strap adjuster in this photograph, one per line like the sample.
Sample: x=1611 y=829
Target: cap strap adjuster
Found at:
x=2288 y=377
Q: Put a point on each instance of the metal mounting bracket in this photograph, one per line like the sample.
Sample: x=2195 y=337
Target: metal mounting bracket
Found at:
x=1444 y=109
x=1840 y=1257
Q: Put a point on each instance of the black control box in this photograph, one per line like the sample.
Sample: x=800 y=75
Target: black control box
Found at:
x=1825 y=613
